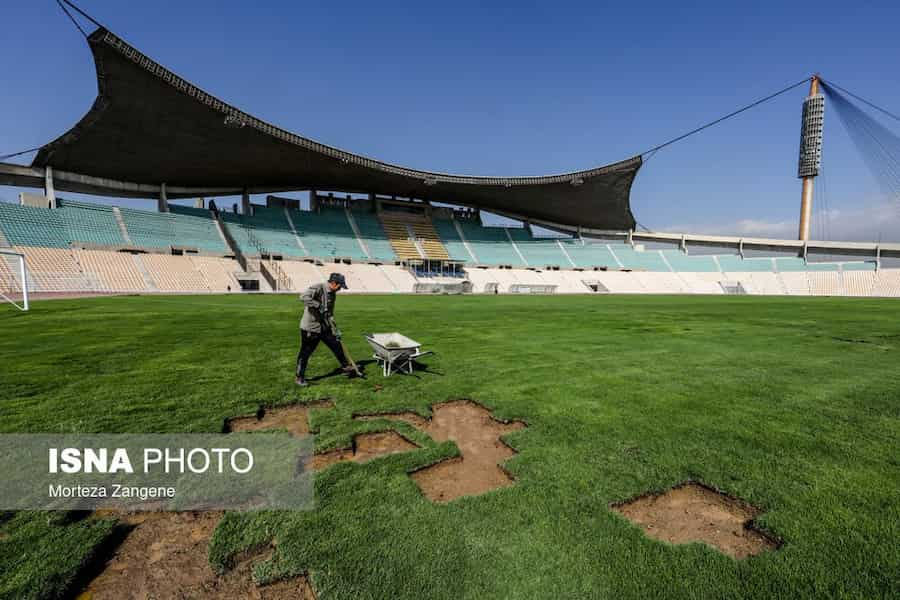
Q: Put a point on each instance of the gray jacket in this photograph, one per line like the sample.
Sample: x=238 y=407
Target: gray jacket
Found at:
x=318 y=305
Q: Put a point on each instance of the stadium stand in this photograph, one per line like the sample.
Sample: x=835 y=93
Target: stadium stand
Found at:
x=39 y=227
x=401 y=238
x=825 y=283
x=887 y=283
x=55 y=270
x=412 y=236
x=327 y=233
x=74 y=249
x=701 y=282
x=9 y=277
x=568 y=282
x=173 y=273
x=400 y=278
x=796 y=283
x=90 y=223
x=538 y=252
x=367 y=279
x=859 y=278
x=661 y=283
x=449 y=236
x=267 y=230
x=858 y=266
x=859 y=283
x=759 y=282
x=620 y=282
x=589 y=255
x=182 y=227
x=218 y=272
x=373 y=236
x=303 y=274
x=491 y=245
x=640 y=260
x=685 y=263
x=787 y=265
x=113 y=271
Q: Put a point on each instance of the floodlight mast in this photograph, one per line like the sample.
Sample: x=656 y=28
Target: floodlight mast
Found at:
x=810 y=152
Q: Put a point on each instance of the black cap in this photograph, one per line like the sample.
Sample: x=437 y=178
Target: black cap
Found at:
x=338 y=279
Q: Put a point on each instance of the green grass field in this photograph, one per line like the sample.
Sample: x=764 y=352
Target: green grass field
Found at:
x=792 y=404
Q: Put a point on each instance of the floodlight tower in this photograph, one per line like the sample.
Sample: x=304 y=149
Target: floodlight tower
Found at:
x=810 y=151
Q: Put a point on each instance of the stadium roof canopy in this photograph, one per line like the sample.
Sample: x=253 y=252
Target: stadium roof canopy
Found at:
x=149 y=126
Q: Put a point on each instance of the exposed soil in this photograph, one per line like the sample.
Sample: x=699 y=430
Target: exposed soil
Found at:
x=165 y=556
x=366 y=446
x=477 y=434
x=294 y=418
x=692 y=512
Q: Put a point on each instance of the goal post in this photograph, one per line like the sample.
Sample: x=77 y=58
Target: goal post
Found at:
x=13 y=279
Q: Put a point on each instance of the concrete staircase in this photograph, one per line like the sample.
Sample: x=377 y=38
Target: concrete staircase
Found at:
x=462 y=236
x=121 y=223
x=300 y=244
x=220 y=227
x=515 y=247
x=566 y=253
x=355 y=228
x=145 y=274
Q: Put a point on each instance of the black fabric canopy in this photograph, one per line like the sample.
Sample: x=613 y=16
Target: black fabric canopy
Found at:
x=147 y=125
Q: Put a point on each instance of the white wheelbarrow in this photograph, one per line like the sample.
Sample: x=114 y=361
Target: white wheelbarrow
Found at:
x=395 y=352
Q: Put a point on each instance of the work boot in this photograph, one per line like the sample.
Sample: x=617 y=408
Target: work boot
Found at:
x=301 y=381
x=349 y=371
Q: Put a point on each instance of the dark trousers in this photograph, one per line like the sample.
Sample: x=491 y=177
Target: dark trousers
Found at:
x=309 y=341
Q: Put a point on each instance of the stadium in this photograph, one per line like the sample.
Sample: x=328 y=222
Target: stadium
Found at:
x=595 y=410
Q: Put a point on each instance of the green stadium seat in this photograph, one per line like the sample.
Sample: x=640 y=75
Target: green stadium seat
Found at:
x=182 y=226
x=450 y=238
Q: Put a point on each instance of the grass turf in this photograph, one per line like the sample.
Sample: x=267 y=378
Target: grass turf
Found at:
x=792 y=404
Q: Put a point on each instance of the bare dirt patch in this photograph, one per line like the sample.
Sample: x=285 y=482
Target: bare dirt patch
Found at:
x=294 y=418
x=366 y=446
x=478 y=436
x=692 y=512
x=165 y=556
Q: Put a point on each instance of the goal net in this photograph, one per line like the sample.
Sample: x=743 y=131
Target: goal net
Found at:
x=13 y=279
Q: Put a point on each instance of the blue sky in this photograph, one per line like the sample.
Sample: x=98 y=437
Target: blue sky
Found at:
x=512 y=88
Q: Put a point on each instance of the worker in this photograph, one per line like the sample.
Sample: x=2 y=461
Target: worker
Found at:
x=318 y=325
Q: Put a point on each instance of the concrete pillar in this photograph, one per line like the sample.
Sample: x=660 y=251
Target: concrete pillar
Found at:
x=163 y=203
x=245 y=202
x=313 y=200
x=199 y=202
x=49 y=192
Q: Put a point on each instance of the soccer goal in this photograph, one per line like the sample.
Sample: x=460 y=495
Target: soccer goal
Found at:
x=13 y=279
